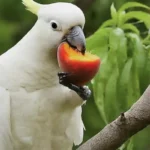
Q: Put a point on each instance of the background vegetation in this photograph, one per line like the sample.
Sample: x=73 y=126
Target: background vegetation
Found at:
x=122 y=42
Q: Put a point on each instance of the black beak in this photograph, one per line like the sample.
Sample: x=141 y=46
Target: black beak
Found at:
x=76 y=39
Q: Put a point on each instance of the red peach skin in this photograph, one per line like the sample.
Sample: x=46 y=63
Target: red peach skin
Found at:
x=82 y=68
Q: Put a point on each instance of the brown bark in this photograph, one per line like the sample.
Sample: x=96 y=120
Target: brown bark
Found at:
x=120 y=130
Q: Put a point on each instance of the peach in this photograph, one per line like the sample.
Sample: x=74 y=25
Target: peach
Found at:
x=82 y=68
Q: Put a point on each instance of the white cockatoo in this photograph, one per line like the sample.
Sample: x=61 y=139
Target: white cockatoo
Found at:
x=36 y=111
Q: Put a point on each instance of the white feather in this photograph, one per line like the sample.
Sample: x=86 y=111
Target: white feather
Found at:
x=43 y=114
x=5 y=126
x=32 y=6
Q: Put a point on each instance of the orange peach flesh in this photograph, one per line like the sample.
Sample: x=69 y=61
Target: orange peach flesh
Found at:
x=76 y=55
x=82 y=67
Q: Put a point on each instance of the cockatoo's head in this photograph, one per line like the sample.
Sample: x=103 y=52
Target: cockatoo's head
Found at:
x=59 y=22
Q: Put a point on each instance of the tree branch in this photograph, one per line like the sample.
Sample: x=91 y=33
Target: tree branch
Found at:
x=121 y=129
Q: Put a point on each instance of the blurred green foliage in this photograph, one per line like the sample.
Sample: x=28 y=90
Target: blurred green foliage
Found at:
x=122 y=42
x=15 y=21
x=125 y=69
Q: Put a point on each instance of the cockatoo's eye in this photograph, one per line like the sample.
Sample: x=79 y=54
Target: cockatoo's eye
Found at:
x=55 y=25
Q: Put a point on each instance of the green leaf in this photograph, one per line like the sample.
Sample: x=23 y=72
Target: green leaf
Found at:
x=123 y=146
x=146 y=70
x=113 y=13
x=131 y=27
x=133 y=86
x=132 y=5
x=98 y=92
x=130 y=144
x=110 y=100
x=115 y=35
x=139 y=15
x=139 y=55
x=98 y=42
x=123 y=84
x=120 y=18
x=118 y=42
x=108 y=23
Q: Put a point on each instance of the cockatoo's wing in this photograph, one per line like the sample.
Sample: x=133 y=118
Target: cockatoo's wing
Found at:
x=75 y=128
x=5 y=130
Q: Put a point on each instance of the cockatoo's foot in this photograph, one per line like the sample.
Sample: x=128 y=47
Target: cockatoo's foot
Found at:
x=83 y=91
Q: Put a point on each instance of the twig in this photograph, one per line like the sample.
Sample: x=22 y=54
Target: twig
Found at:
x=121 y=129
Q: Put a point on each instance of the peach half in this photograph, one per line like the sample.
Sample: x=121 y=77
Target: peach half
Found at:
x=81 y=68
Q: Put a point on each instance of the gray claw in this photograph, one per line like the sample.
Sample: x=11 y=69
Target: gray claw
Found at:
x=83 y=91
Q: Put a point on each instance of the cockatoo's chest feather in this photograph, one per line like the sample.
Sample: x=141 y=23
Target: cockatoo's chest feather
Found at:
x=28 y=75
x=44 y=114
x=41 y=119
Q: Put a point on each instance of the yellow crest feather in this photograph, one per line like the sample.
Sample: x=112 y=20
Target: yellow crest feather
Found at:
x=32 y=6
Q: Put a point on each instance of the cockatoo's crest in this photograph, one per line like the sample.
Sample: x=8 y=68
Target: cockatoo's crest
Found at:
x=32 y=6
